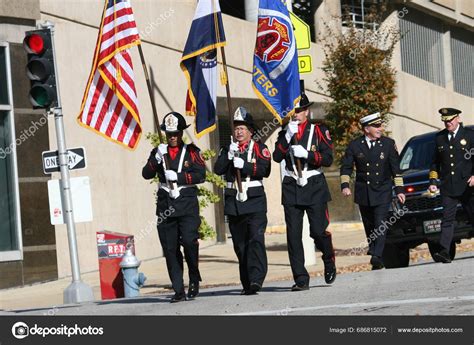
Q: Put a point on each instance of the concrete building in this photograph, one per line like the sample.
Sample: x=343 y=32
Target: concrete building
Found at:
x=433 y=60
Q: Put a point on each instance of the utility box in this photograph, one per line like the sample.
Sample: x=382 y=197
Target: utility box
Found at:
x=111 y=247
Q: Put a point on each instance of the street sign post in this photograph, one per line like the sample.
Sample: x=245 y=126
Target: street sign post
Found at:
x=77 y=291
x=76 y=160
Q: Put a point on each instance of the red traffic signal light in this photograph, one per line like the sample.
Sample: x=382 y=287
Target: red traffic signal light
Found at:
x=40 y=68
x=34 y=44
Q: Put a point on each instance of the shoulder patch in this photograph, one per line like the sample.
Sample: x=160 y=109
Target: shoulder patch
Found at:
x=328 y=136
x=266 y=153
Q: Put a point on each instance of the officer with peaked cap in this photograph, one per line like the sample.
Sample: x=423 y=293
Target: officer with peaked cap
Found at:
x=453 y=165
x=377 y=162
x=180 y=168
x=312 y=145
x=247 y=211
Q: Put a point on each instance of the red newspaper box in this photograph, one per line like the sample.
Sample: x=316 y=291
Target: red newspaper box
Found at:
x=111 y=248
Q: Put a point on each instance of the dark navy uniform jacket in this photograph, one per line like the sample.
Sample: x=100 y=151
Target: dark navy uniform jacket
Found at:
x=258 y=168
x=193 y=172
x=320 y=154
x=453 y=162
x=375 y=170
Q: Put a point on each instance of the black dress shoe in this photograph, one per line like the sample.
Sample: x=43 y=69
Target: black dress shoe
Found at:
x=193 y=290
x=330 y=274
x=247 y=292
x=443 y=256
x=178 y=297
x=377 y=263
x=256 y=287
x=300 y=287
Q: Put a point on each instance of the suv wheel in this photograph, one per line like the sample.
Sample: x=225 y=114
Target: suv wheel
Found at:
x=396 y=256
x=434 y=247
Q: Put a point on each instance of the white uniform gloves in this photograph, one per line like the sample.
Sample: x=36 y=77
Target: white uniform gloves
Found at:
x=233 y=148
x=299 y=151
x=160 y=152
x=291 y=129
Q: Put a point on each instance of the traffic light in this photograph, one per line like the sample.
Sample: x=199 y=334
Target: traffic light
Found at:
x=40 y=69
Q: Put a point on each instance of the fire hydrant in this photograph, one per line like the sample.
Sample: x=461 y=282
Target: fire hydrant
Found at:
x=132 y=279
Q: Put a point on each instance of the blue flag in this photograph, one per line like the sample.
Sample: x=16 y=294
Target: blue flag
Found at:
x=199 y=64
x=276 y=79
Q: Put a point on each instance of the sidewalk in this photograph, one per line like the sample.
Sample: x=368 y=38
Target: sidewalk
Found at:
x=218 y=266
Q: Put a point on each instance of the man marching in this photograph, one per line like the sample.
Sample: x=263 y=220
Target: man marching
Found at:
x=454 y=164
x=376 y=160
x=247 y=211
x=177 y=194
x=310 y=144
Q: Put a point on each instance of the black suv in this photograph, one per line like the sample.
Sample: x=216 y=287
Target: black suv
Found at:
x=419 y=220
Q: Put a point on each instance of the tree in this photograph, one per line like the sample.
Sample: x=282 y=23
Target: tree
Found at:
x=358 y=75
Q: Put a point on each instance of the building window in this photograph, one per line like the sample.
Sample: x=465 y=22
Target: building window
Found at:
x=462 y=57
x=422 y=47
x=354 y=13
x=10 y=228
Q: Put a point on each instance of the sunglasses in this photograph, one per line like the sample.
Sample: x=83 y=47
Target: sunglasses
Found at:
x=377 y=125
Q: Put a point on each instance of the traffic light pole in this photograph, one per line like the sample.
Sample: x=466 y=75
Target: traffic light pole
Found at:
x=77 y=291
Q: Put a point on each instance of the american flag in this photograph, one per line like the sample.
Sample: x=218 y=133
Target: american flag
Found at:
x=109 y=105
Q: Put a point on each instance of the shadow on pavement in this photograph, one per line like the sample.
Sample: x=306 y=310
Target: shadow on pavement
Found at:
x=138 y=300
x=46 y=309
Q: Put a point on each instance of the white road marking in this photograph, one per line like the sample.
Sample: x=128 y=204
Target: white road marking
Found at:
x=363 y=305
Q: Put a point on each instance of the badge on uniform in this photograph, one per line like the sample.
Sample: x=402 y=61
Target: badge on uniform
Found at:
x=328 y=136
x=313 y=148
x=266 y=153
x=463 y=142
x=360 y=155
x=382 y=156
x=186 y=164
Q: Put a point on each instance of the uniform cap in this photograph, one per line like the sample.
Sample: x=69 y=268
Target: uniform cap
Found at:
x=371 y=119
x=447 y=114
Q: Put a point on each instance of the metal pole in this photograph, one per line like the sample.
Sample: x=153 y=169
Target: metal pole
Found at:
x=77 y=291
x=153 y=107
x=238 y=177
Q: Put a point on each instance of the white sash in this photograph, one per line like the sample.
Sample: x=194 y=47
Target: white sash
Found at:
x=174 y=193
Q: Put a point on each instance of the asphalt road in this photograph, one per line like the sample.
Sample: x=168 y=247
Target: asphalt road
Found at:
x=426 y=288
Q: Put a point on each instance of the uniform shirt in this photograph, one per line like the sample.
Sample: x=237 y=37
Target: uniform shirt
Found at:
x=320 y=154
x=453 y=161
x=193 y=172
x=375 y=169
x=258 y=168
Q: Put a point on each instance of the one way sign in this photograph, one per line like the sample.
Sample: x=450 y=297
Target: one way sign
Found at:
x=76 y=160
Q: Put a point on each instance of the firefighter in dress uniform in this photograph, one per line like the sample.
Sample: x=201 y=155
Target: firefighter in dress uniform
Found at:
x=246 y=211
x=453 y=164
x=312 y=145
x=177 y=196
x=377 y=162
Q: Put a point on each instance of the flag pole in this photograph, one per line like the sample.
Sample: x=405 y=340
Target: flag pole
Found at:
x=295 y=140
x=225 y=80
x=153 y=107
x=238 y=177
